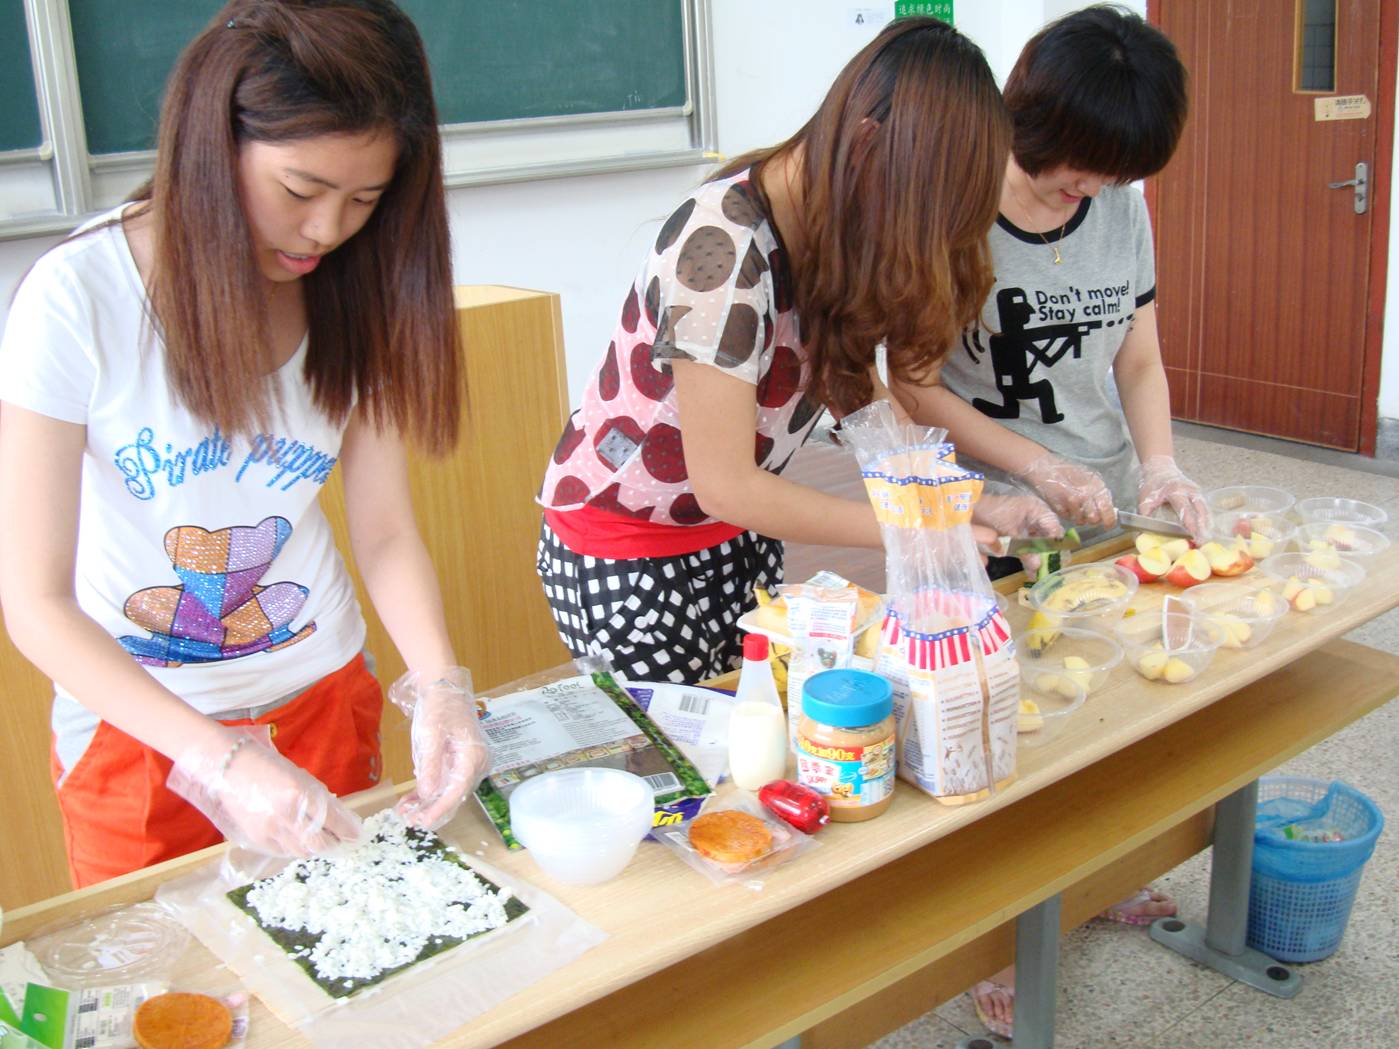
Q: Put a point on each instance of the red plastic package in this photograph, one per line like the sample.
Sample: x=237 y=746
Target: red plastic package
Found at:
x=799 y=806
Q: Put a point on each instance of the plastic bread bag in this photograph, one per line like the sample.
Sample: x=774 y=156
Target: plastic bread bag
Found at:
x=945 y=644
x=303 y=952
x=821 y=621
x=742 y=841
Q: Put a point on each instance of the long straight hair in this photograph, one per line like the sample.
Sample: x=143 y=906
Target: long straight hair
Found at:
x=900 y=182
x=379 y=307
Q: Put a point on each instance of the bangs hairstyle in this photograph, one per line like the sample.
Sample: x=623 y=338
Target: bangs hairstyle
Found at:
x=1098 y=91
x=900 y=182
x=379 y=307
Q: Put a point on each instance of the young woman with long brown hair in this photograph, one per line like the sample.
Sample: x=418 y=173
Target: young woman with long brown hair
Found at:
x=762 y=303
x=178 y=381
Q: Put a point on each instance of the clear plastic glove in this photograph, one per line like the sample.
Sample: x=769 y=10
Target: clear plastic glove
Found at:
x=450 y=752
x=1072 y=490
x=1018 y=516
x=258 y=799
x=1164 y=484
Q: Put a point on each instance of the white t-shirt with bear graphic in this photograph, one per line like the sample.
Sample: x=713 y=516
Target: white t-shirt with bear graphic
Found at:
x=207 y=557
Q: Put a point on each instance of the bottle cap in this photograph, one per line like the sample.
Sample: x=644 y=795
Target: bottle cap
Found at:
x=755 y=647
x=847 y=698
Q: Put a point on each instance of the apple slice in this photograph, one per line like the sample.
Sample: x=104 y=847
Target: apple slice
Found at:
x=1134 y=563
x=1320 y=591
x=1260 y=546
x=1236 y=631
x=1299 y=595
x=1152 y=665
x=1148 y=541
x=1190 y=568
x=1264 y=602
x=1177 y=670
x=1226 y=560
x=1341 y=535
x=1077 y=670
x=1243 y=527
x=1174 y=548
x=1323 y=557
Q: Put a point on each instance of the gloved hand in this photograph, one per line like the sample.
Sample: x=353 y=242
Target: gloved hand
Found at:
x=1164 y=484
x=1073 y=491
x=450 y=752
x=258 y=799
x=1018 y=516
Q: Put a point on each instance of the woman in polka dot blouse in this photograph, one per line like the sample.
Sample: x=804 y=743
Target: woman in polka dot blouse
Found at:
x=762 y=303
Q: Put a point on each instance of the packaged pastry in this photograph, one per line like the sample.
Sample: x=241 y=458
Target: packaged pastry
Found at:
x=734 y=839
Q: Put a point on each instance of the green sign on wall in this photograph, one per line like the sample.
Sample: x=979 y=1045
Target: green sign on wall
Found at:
x=935 y=8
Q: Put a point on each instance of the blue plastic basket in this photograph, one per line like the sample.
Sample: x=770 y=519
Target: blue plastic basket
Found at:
x=1301 y=894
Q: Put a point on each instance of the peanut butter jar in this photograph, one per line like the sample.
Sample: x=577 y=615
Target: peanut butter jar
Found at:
x=845 y=742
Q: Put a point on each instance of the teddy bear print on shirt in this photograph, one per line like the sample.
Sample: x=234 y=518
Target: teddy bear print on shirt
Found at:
x=220 y=610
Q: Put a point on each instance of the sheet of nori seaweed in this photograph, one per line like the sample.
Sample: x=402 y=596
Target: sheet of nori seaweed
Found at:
x=290 y=941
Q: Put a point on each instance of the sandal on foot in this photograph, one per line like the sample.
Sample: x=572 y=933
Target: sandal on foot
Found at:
x=983 y=994
x=1134 y=909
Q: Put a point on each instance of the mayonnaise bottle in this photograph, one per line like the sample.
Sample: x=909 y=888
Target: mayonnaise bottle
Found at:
x=757 y=726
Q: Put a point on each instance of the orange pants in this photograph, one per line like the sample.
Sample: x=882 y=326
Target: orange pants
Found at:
x=118 y=815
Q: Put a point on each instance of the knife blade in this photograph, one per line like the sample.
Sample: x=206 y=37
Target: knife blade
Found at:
x=1019 y=546
x=1159 y=525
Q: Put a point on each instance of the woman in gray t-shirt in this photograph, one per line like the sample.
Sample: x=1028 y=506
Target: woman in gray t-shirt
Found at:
x=1097 y=100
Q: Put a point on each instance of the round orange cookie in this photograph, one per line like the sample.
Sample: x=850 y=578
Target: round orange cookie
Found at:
x=730 y=837
x=178 y=1020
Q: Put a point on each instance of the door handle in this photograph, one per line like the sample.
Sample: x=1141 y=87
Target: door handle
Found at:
x=1361 y=183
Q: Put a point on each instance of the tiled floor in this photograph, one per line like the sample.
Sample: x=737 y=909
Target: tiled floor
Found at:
x=1119 y=989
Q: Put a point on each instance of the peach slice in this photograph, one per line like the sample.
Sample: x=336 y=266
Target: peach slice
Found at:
x=1190 y=568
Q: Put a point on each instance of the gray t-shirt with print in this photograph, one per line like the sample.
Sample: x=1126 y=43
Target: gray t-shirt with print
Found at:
x=1040 y=358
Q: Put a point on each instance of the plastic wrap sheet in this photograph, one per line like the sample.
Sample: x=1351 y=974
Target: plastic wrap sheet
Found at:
x=408 y=1010
x=945 y=644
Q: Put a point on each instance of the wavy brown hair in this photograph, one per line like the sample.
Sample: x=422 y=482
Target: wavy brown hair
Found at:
x=900 y=182
x=379 y=307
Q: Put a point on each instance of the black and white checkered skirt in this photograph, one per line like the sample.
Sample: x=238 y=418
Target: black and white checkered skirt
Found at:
x=658 y=618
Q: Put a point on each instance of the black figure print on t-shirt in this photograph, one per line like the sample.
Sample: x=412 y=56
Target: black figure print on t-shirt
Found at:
x=1018 y=350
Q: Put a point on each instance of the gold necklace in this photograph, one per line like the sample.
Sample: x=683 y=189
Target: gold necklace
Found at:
x=1054 y=246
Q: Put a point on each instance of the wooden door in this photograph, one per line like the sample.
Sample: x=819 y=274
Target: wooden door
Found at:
x=1271 y=285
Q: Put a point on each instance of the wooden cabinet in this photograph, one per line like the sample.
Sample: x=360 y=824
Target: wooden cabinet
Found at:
x=477 y=513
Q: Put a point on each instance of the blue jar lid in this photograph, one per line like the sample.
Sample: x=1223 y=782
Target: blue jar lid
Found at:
x=847 y=698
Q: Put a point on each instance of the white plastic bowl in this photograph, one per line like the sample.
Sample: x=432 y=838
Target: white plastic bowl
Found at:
x=1352 y=511
x=1090 y=596
x=1337 y=578
x=582 y=826
x=1245 y=612
x=1352 y=541
x=1249 y=498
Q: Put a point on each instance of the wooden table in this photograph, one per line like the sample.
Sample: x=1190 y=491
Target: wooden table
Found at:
x=889 y=917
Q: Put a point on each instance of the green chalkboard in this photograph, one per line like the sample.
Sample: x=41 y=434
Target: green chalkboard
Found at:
x=19 y=115
x=491 y=59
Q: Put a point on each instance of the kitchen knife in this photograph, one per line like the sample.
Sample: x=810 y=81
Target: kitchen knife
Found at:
x=1158 y=525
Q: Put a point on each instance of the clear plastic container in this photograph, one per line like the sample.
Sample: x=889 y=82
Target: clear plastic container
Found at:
x=582 y=826
x=122 y=944
x=1250 y=498
x=1085 y=657
x=1194 y=639
x=1263 y=534
x=1352 y=511
x=1245 y=612
x=1090 y=596
x=1310 y=584
x=1349 y=540
x=1047 y=698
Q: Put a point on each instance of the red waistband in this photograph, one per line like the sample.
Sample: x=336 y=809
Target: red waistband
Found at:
x=598 y=533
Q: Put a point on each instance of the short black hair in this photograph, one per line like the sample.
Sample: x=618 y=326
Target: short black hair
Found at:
x=1099 y=91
